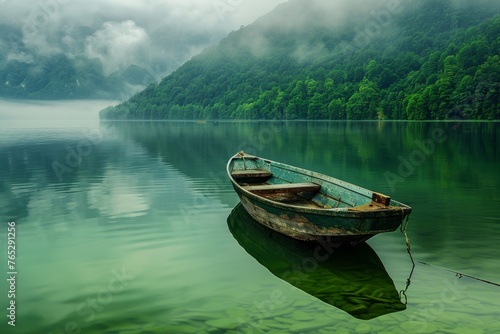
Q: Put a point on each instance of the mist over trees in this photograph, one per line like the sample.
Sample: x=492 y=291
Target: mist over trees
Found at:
x=55 y=49
x=84 y=62
x=411 y=60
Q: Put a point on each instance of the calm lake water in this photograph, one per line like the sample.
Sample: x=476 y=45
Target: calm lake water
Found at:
x=133 y=227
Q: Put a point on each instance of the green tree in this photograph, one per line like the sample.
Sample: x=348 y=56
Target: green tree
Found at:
x=365 y=103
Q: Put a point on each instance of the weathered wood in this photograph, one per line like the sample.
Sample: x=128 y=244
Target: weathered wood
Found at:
x=368 y=207
x=251 y=173
x=284 y=188
x=243 y=155
x=381 y=199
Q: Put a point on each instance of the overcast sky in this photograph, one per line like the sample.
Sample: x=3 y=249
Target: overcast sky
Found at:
x=123 y=32
x=158 y=35
x=203 y=14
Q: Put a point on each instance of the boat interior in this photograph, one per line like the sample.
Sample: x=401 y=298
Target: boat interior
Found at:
x=256 y=181
x=281 y=187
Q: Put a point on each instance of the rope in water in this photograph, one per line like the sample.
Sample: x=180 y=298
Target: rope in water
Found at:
x=404 y=227
x=459 y=274
x=402 y=293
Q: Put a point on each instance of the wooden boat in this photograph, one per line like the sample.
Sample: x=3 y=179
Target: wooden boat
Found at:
x=310 y=206
x=352 y=279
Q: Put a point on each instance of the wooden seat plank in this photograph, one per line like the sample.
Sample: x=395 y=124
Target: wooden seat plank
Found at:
x=251 y=173
x=284 y=188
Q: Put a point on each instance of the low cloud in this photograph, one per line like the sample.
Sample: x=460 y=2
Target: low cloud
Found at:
x=158 y=35
x=117 y=45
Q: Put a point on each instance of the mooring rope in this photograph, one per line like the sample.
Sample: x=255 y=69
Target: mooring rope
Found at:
x=242 y=155
x=459 y=274
x=402 y=293
x=404 y=227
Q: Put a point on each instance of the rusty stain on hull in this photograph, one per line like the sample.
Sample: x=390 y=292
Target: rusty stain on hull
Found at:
x=299 y=227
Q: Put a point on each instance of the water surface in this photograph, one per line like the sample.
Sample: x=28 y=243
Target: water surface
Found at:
x=123 y=227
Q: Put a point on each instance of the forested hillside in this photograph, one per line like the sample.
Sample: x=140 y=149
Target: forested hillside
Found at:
x=427 y=59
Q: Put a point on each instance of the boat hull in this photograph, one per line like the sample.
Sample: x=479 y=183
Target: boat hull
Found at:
x=304 y=226
x=343 y=225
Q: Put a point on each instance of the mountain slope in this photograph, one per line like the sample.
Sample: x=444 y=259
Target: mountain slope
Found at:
x=315 y=60
x=25 y=75
x=104 y=60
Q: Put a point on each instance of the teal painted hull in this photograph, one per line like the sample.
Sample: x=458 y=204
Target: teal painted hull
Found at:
x=338 y=211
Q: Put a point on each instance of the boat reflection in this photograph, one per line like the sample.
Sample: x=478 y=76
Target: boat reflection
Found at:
x=352 y=279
